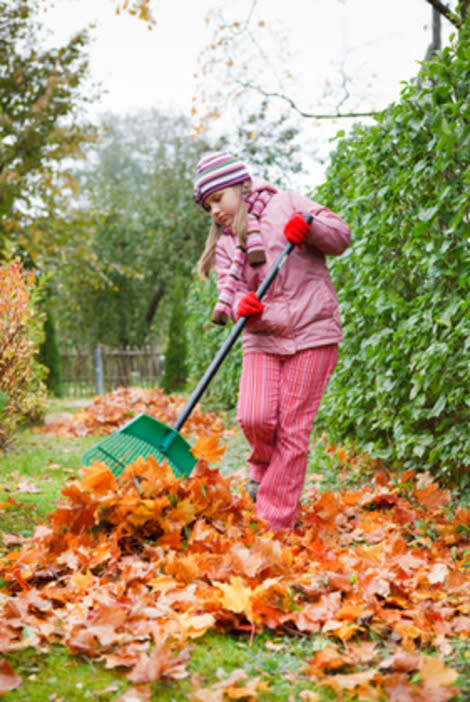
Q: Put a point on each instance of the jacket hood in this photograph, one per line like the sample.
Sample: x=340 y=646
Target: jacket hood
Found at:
x=258 y=184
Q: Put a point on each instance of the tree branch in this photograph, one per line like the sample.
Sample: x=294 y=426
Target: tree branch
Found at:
x=302 y=113
x=446 y=12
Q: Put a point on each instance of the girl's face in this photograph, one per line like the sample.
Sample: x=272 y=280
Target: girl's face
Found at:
x=223 y=204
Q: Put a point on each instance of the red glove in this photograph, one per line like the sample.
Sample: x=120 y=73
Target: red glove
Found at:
x=250 y=306
x=296 y=230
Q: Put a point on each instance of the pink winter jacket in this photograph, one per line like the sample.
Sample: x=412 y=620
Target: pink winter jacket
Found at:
x=300 y=307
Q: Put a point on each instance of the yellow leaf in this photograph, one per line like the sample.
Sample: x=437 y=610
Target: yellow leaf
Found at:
x=194 y=625
x=148 y=510
x=82 y=582
x=435 y=674
x=207 y=447
x=236 y=597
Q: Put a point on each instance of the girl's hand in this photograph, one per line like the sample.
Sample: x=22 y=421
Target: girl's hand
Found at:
x=250 y=306
x=296 y=230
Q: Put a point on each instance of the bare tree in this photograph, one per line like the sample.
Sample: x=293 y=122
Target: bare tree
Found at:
x=244 y=39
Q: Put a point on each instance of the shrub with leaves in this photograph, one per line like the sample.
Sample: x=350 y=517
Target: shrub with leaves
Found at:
x=49 y=356
x=403 y=187
x=205 y=339
x=175 y=365
x=20 y=335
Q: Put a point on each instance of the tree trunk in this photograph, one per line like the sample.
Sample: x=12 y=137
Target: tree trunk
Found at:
x=153 y=305
x=435 y=44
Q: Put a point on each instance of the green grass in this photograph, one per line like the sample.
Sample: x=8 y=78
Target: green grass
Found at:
x=32 y=473
x=71 y=678
x=74 y=678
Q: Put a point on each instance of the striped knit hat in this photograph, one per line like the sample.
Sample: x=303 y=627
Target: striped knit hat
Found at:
x=215 y=171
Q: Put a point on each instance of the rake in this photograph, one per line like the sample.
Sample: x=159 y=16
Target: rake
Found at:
x=146 y=436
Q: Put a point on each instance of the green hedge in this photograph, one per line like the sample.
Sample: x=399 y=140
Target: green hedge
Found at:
x=403 y=185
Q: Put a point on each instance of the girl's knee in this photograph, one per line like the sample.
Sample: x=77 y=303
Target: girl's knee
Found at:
x=256 y=424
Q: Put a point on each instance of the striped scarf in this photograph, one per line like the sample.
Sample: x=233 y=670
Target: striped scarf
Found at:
x=252 y=251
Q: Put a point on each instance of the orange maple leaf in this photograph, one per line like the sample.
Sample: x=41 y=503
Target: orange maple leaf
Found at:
x=432 y=498
x=329 y=658
x=82 y=581
x=207 y=448
x=97 y=478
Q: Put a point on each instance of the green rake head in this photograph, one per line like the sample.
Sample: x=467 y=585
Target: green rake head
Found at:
x=143 y=436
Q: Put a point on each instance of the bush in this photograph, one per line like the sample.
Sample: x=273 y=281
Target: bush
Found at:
x=20 y=336
x=403 y=185
x=49 y=357
x=205 y=340
x=174 y=368
x=3 y=401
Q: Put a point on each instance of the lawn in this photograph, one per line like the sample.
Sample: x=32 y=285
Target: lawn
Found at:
x=273 y=660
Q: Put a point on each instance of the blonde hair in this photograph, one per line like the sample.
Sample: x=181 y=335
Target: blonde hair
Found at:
x=239 y=228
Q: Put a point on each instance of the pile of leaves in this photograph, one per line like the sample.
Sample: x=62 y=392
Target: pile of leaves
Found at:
x=109 y=412
x=129 y=570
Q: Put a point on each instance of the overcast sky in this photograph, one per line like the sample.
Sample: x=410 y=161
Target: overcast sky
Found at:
x=381 y=42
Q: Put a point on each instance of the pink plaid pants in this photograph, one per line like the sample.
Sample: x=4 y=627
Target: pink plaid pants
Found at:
x=277 y=404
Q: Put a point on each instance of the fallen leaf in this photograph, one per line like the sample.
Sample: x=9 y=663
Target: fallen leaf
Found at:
x=9 y=680
x=401 y=661
x=328 y=659
x=438 y=573
x=207 y=448
x=28 y=487
x=97 y=478
x=236 y=596
x=432 y=498
x=228 y=688
x=82 y=581
x=352 y=681
x=135 y=694
x=435 y=673
x=160 y=662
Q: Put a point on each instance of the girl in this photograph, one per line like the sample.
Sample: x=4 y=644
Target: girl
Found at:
x=290 y=343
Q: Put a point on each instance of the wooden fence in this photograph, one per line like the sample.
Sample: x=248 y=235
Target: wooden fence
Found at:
x=87 y=371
